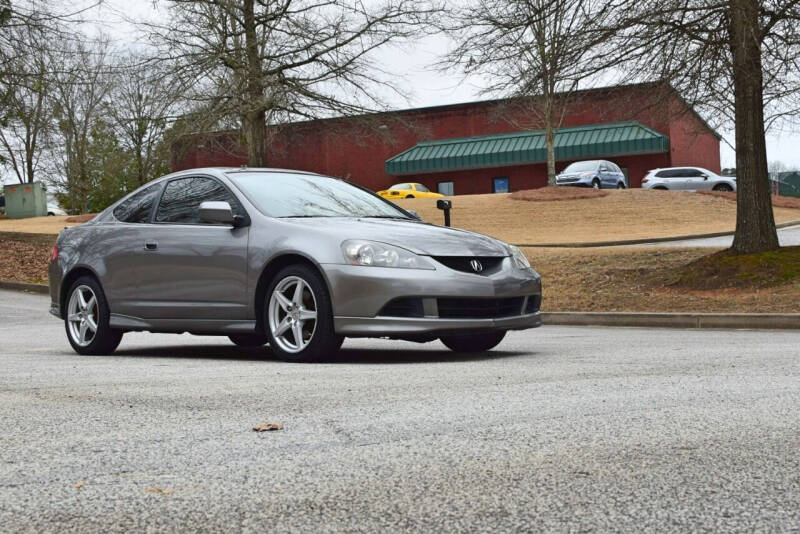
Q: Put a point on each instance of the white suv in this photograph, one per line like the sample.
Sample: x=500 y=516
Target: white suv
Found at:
x=687 y=179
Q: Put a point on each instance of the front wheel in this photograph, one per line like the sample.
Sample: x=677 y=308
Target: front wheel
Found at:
x=595 y=184
x=723 y=187
x=298 y=316
x=620 y=186
x=87 y=319
x=409 y=196
x=473 y=342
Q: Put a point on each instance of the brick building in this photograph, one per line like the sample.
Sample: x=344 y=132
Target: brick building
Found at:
x=473 y=147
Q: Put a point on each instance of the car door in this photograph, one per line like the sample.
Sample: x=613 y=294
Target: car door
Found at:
x=122 y=251
x=194 y=270
x=606 y=176
x=697 y=180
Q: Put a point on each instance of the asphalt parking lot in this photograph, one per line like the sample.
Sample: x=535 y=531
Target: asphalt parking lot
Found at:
x=563 y=428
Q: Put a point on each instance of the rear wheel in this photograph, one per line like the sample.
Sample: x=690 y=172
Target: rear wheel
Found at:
x=298 y=317
x=248 y=340
x=87 y=319
x=473 y=342
x=409 y=196
x=595 y=184
x=723 y=187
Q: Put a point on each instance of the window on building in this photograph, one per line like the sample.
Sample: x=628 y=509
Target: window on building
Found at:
x=446 y=188
x=500 y=185
x=182 y=199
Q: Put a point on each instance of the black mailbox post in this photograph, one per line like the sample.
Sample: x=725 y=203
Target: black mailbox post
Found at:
x=445 y=206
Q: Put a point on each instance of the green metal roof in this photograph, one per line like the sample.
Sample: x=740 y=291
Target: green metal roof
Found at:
x=580 y=142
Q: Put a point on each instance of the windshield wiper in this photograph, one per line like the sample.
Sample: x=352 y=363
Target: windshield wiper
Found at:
x=385 y=217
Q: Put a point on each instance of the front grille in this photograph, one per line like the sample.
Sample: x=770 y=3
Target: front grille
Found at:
x=403 y=307
x=534 y=303
x=466 y=308
x=488 y=264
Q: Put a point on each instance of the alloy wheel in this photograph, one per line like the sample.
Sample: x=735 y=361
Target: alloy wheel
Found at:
x=292 y=314
x=82 y=315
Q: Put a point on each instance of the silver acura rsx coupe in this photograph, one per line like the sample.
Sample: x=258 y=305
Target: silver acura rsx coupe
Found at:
x=292 y=259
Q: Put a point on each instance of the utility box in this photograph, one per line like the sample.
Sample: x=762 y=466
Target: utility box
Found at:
x=25 y=200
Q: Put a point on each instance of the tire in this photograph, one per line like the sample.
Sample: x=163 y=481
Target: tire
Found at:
x=660 y=188
x=473 y=342
x=248 y=340
x=283 y=317
x=51 y=214
x=620 y=186
x=409 y=196
x=596 y=184
x=723 y=187
x=86 y=305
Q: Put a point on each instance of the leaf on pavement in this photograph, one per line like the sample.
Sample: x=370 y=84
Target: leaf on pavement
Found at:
x=160 y=491
x=78 y=485
x=267 y=427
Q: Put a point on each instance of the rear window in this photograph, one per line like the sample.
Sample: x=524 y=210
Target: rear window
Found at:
x=137 y=208
x=401 y=186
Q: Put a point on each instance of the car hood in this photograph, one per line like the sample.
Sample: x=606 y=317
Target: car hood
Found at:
x=418 y=237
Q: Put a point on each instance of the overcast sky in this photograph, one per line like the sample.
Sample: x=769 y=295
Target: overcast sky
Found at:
x=424 y=85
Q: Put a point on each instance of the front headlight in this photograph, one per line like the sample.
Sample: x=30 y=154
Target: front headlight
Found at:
x=375 y=254
x=519 y=258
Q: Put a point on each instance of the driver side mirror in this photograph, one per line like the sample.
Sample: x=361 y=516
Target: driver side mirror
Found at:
x=217 y=212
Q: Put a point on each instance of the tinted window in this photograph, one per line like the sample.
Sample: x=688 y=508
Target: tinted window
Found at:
x=670 y=173
x=182 y=198
x=422 y=189
x=137 y=208
x=693 y=173
x=283 y=194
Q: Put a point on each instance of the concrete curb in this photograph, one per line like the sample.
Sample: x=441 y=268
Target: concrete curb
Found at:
x=770 y=321
x=642 y=241
x=24 y=286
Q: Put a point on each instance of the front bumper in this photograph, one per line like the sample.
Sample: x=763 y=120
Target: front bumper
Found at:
x=410 y=326
x=360 y=293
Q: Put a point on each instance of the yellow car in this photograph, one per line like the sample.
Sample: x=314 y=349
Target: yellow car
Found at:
x=408 y=191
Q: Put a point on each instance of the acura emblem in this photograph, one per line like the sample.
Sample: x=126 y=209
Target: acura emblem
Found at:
x=476 y=266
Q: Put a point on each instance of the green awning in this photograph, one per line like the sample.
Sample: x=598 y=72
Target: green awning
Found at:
x=580 y=142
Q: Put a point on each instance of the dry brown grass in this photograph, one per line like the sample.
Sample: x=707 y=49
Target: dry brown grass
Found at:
x=598 y=279
x=36 y=225
x=557 y=193
x=777 y=201
x=622 y=214
x=639 y=279
x=80 y=219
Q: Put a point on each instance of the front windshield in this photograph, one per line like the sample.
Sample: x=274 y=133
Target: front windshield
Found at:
x=581 y=166
x=283 y=194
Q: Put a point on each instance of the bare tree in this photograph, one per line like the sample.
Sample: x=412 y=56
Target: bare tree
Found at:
x=26 y=87
x=256 y=62
x=142 y=103
x=736 y=60
x=541 y=50
x=81 y=88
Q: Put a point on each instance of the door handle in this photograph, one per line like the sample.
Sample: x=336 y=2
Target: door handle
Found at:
x=151 y=245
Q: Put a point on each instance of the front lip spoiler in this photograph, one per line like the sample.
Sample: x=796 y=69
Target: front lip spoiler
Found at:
x=391 y=326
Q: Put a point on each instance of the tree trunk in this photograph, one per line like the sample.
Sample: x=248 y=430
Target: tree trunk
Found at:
x=550 y=140
x=254 y=117
x=755 y=223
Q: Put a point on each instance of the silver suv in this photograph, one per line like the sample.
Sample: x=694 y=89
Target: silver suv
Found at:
x=599 y=174
x=687 y=179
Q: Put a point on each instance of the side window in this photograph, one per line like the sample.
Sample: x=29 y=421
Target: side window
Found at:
x=422 y=189
x=138 y=207
x=672 y=173
x=693 y=173
x=401 y=186
x=182 y=198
